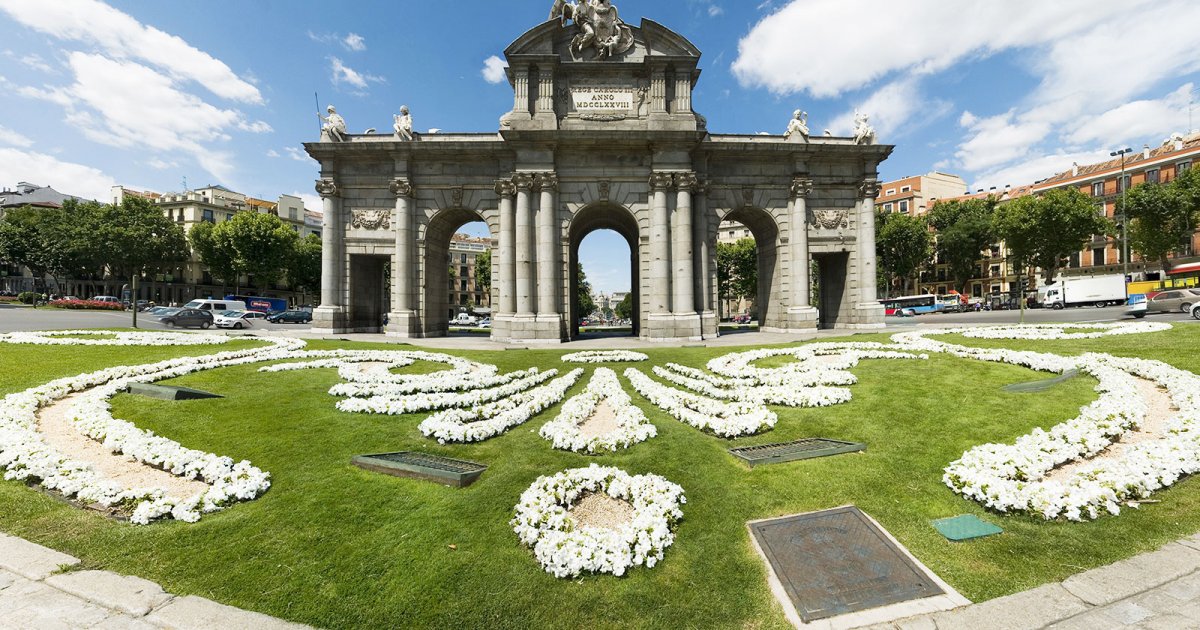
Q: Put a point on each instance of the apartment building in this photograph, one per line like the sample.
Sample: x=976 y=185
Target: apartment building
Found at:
x=466 y=292
x=915 y=195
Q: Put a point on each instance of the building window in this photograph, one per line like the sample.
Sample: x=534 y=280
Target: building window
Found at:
x=1123 y=183
x=462 y=258
x=1074 y=262
x=1098 y=189
x=206 y=215
x=905 y=189
x=462 y=285
x=890 y=191
x=1152 y=176
x=1098 y=256
x=228 y=216
x=976 y=290
x=904 y=206
x=941 y=274
x=995 y=270
x=1182 y=168
x=887 y=207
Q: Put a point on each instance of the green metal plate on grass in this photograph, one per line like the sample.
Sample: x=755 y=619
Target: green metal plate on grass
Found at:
x=1032 y=387
x=806 y=448
x=452 y=472
x=169 y=392
x=965 y=527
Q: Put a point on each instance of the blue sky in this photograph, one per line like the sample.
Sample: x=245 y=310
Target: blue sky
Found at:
x=147 y=93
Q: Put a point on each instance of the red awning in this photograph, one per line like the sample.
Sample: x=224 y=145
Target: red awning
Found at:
x=1185 y=268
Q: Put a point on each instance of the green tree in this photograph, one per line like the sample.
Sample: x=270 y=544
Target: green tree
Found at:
x=1160 y=217
x=218 y=259
x=134 y=237
x=902 y=246
x=483 y=271
x=1043 y=231
x=737 y=270
x=624 y=308
x=257 y=244
x=583 y=298
x=304 y=271
x=964 y=228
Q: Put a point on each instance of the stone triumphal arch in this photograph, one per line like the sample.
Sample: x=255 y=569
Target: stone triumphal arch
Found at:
x=602 y=135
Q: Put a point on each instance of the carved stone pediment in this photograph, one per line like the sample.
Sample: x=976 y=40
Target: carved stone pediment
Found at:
x=371 y=219
x=829 y=218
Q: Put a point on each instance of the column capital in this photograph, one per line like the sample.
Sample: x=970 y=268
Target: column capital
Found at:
x=401 y=187
x=546 y=181
x=687 y=181
x=326 y=187
x=661 y=181
x=523 y=181
x=801 y=187
x=505 y=187
x=869 y=189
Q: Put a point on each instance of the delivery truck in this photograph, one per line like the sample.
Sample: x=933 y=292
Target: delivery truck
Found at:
x=1083 y=291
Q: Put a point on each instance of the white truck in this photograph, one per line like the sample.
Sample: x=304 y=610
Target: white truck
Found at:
x=464 y=319
x=1083 y=291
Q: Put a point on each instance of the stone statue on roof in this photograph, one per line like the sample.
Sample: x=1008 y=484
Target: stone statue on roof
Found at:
x=334 y=127
x=402 y=124
x=600 y=26
x=864 y=133
x=797 y=126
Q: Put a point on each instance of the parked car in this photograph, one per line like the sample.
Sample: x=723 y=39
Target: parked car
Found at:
x=237 y=319
x=1136 y=306
x=1196 y=311
x=741 y=319
x=485 y=323
x=290 y=317
x=1174 y=301
x=111 y=299
x=189 y=318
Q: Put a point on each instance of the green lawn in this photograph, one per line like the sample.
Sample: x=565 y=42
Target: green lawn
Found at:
x=335 y=546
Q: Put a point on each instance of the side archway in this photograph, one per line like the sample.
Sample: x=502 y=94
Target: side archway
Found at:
x=435 y=268
x=602 y=216
x=765 y=231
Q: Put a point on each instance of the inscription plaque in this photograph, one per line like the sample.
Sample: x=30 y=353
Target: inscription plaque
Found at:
x=602 y=99
x=838 y=561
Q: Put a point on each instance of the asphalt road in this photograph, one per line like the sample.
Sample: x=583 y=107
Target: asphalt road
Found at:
x=16 y=318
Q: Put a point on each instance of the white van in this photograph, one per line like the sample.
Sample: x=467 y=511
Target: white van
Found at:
x=463 y=319
x=217 y=306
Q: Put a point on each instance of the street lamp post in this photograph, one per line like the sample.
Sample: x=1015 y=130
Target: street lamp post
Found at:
x=1124 y=217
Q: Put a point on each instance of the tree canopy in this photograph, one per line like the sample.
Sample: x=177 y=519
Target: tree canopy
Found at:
x=737 y=270
x=624 y=308
x=483 y=271
x=1043 y=231
x=1162 y=215
x=583 y=297
x=964 y=228
x=902 y=246
x=304 y=272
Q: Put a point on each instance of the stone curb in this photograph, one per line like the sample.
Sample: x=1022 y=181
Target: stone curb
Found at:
x=34 y=595
x=1108 y=596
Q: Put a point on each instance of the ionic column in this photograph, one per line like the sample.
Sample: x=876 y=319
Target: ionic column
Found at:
x=331 y=227
x=798 y=241
x=402 y=290
x=660 y=244
x=524 y=271
x=683 y=299
x=866 y=241
x=506 y=267
x=547 y=247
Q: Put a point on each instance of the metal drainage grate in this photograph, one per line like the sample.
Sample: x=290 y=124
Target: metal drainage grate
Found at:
x=806 y=448
x=169 y=392
x=1032 y=387
x=452 y=472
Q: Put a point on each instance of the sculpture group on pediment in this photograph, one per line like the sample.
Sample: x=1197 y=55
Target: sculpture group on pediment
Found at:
x=798 y=125
x=600 y=26
x=333 y=128
x=864 y=133
x=402 y=124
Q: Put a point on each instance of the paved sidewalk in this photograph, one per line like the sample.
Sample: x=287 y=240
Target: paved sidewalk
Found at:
x=34 y=595
x=1155 y=590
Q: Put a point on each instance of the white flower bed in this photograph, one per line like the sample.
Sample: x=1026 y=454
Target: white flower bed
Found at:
x=25 y=455
x=1064 y=331
x=725 y=419
x=110 y=338
x=486 y=421
x=566 y=549
x=632 y=426
x=397 y=404
x=604 y=356
x=799 y=393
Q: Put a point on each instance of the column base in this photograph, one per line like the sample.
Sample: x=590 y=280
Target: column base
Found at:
x=403 y=324
x=527 y=328
x=709 y=325
x=864 y=315
x=329 y=320
x=673 y=327
x=801 y=319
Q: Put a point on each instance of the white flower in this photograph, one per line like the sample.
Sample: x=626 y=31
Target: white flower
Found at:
x=632 y=426
x=604 y=356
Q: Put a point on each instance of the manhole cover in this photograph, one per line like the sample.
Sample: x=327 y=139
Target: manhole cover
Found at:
x=791 y=451
x=839 y=561
x=452 y=472
x=1033 y=387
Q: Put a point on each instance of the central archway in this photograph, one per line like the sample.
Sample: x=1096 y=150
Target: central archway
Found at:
x=601 y=216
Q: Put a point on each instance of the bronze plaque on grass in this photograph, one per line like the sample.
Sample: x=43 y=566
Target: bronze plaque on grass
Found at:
x=838 y=561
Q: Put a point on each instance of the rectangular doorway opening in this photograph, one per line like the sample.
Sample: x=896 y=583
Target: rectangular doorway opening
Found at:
x=369 y=292
x=831 y=286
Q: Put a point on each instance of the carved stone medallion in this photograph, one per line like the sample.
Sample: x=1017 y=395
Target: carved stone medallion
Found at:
x=371 y=219
x=326 y=187
x=829 y=218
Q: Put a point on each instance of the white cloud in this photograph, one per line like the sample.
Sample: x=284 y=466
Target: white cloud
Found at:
x=66 y=177
x=121 y=36
x=1036 y=167
x=354 y=42
x=32 y=61
x=345 y=74
x=493 y=70
x=257 y=126
x=1136 y=120
x=160 y=164
x=714 y=10
x=893 y=109
x=311 y=201
x=297 y=154
x=11 y=138
x=272 y=153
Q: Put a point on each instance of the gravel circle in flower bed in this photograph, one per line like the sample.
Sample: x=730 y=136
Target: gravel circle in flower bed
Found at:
x=604 y=356
x=571 y=534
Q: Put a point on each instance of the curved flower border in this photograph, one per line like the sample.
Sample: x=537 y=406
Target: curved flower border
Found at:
x=565 y=549
x=487 y=421
x=725 y=419
x=73 y=338
x=632 y=426
x=604 y=356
